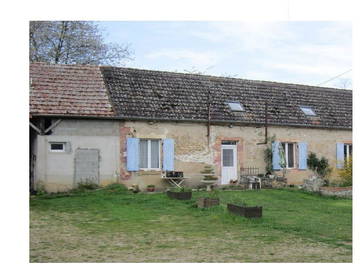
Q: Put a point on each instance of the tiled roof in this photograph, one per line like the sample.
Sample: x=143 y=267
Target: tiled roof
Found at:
x=77 y=90
x=68 y=90
x=178 y=96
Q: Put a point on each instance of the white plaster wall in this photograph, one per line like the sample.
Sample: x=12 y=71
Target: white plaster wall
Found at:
x=55 y=170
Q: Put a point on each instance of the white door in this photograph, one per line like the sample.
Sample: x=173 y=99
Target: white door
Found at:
x=228 y=163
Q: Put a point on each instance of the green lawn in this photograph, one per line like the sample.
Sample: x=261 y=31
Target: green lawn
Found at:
x=104 y=226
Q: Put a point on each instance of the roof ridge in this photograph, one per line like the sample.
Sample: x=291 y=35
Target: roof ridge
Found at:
x=226 y=78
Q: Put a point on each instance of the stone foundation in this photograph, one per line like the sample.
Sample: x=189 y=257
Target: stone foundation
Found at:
x=343 y=192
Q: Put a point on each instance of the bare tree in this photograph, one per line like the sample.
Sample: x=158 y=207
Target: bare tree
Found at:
x=197 y=71
x=229 y=75
x=74 y=42
x=343 y=83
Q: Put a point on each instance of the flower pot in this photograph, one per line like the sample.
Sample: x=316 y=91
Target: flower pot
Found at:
x=207 y=202
x=150 y=189
x=186 y=195
x=245 y=211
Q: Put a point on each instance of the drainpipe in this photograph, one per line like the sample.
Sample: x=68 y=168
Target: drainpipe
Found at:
x=266 y=124
x=208 y=123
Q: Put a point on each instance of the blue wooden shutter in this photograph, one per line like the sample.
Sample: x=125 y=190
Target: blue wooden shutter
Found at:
x=275 y=156
x=339 y=155
x=302 y=155
x=168 y=151
x=132 y=148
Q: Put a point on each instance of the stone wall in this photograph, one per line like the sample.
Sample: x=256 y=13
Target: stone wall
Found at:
x=344 y=192
x=193 y=149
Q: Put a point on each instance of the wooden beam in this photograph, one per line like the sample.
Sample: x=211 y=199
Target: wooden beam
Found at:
x=35 y=128
x=52 y=126
x=42 y=125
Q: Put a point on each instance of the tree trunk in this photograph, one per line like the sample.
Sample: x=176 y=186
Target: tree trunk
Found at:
x=58 y=49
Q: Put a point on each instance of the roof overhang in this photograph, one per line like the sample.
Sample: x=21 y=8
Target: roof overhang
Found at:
x=213 y=122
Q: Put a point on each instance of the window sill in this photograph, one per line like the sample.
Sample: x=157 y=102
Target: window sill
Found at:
x=150 y=172
x=295 y=170
x=291 y=169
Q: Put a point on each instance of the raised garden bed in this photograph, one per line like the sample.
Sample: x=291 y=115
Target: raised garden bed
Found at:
x=185 y=195
x=245 y=211
x=207 y=202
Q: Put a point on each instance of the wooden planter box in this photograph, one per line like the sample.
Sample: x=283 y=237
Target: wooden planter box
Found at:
x=207 y=202
x=245 y=211
x=180 y=195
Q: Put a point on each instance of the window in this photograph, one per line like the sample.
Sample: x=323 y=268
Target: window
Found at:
x=289 y=149
x=57 y=147
x=236 y=106
x=347 y=151
x=228 y=157
x=307 y=110
x=149 y=154
x=228 y=142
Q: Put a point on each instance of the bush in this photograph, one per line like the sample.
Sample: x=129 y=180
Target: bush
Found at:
x=84 y=186
x=182 y=189
x=268 y=155
x=115 y=187
x=346 y=173
x=40 y=189
x=319 y=166
x=214 y=194
x=232 y=187
x=200 y=187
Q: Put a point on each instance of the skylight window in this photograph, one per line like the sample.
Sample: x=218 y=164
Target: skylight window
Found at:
x=236 y=106
x=308 y=111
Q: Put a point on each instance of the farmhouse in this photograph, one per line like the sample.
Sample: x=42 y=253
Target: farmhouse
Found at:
x=110 y=124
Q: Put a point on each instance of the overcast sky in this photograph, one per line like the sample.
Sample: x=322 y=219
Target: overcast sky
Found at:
x=295 y=52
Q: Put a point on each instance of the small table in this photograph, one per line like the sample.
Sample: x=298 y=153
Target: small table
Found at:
x=174 y=181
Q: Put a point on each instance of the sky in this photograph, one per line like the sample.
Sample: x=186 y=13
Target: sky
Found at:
x=294 y=52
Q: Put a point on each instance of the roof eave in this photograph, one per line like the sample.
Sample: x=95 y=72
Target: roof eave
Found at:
x=137 y=118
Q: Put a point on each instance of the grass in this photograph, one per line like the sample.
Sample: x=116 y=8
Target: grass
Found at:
x=116 y=226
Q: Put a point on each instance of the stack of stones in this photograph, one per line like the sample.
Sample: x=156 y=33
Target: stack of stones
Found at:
x=313 y=184
x=209 y=174
x=209 y=177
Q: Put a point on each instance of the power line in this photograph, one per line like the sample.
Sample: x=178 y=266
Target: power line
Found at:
x=335 y=77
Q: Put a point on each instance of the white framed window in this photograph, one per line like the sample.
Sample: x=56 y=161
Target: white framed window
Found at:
x=307 y=110
x=236 y=106
x=347 y=151
x=57 y=147
x=289 y=149
x=149 y=154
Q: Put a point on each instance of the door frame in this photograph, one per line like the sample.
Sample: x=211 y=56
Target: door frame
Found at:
x=235 y=156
